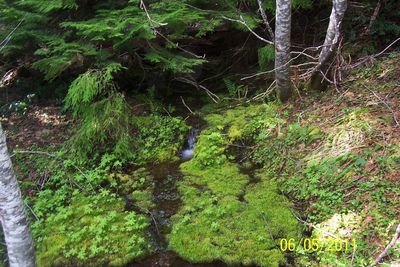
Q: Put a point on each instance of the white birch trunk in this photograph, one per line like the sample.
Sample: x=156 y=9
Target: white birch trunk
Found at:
x=332 y=34
x=331 y=41
x=13 y=219
x=282 y=48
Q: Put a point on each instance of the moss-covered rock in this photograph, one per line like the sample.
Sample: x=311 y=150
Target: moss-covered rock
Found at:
x=91 y=231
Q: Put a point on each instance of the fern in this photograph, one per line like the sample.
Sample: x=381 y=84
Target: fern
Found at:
x=235 y=90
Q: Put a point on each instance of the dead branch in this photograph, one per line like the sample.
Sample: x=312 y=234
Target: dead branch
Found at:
x=373 y=18
x=52 y=156
x=369 y=58
x=390 y=245
x=213 y=96
x=183 y=102
x=265 y=19
x=9 y=36
x=244 y=23
x=384 y=103
x=267 y=92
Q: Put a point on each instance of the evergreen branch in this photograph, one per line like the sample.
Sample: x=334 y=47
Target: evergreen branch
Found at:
x=157 y=32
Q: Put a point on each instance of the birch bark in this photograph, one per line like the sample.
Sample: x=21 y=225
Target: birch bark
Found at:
x=13 y=219
x=282 y=48
x=331 y=41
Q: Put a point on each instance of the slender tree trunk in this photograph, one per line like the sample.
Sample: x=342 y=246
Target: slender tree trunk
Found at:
x=330 y=44
x=13 y=219
x=282 y=48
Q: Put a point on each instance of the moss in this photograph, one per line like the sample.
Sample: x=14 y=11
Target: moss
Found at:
x=243 y=122
x=217 y=225
x=222 y=217
x=138 y=186
x=91 y=231
x=223 y=180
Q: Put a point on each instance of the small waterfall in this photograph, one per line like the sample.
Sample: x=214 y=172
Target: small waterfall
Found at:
x=188 y=150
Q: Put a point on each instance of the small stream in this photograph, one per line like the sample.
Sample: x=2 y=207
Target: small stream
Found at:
x=167 y=199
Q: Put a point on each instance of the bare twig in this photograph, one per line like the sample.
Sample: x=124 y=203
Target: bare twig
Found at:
x=265 y=19
x=213 y=96
x=183 y=102
x=54 y=156
x=269 y=90
x=299 y=54
x=385 y=103
x=370 y=57
x=315 y=227
x=9 y=36
x=243 y=22
x=390 y=245
x=373 y=18
x=33 y=213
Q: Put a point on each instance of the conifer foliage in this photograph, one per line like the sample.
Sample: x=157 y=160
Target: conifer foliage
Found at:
x=89 y=43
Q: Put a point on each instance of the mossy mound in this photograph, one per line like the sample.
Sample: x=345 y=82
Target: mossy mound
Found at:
x=246 y=122
x=159 y=138
x=91 y=231
x=223 y=217
x=138 y=186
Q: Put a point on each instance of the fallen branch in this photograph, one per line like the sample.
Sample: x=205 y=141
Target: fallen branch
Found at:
x=9 y=36
x=390 y=245
x=53 y=156
x=373 y=18
x=370 y=57
x=213 y=96
x=385 y=103
x=183 y=102
x=315 y=227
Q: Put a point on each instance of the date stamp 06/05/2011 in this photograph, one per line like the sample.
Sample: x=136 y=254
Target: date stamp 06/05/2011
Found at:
x=316 y=244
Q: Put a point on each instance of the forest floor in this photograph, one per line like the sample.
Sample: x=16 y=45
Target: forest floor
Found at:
x=321 y=166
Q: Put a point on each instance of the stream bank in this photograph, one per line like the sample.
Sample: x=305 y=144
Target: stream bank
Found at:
x=167 y=201
x=212 y=211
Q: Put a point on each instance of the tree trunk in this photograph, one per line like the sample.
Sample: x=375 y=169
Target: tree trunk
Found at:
x=330 y=44
x=282 y=48
x=13 y=219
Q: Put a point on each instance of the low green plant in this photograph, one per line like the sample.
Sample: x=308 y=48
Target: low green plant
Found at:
x=238 y=91
x=91 y=230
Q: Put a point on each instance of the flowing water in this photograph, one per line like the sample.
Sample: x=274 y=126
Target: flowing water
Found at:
x=167 y=199
x=188 y=150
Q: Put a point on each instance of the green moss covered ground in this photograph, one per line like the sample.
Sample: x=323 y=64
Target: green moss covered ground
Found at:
x=326 y=165
x=224 y=216
x=336 y=156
